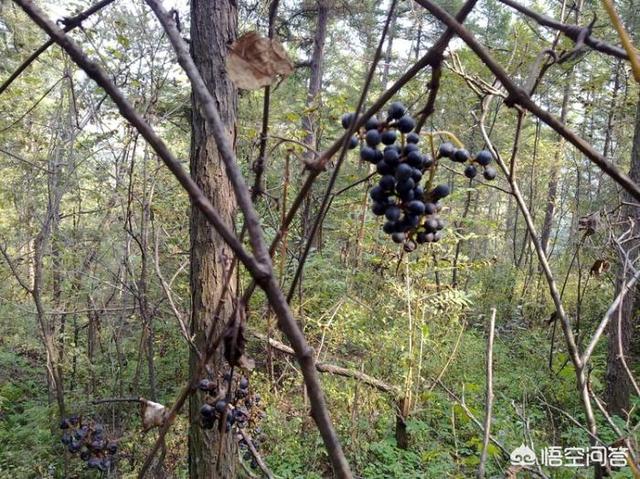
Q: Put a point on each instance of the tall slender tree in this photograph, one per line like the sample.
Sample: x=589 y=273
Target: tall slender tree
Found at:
x=314 y=90
x=624 y=319
x=552 y=192
x=213 y=29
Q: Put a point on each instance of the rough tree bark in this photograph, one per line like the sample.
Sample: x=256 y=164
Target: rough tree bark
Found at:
x=213 y=29
x=618 y=383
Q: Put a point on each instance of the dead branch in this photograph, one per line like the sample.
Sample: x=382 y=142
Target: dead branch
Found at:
x=489 y=397
x=574 y=32
x=337 y=370
x=256 y=455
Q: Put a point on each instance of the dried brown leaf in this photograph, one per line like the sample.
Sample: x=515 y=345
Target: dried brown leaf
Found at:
x=153 y=414
x=589 y=223
x=255 y=61
x=600 y=266
x=245 y=362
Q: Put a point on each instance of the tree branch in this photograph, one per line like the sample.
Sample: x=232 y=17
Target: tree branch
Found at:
x=574 y=32
x=14 y=270
x=517 y=96
x=333 y=369
x=608 y=315
x=254 y=452
x=69 y=24
x=489 y=396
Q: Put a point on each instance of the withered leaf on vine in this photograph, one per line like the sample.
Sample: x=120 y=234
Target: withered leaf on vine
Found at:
x=255 y=61
x=152 y=413
x=599 y=267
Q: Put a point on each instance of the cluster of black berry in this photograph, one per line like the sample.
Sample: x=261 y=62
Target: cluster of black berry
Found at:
x=257 y=438
x=460 y=155
x=220 y=406
x=411 y=210
x=88 y=438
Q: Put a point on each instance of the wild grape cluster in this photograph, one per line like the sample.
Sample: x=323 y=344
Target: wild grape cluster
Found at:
x=88 y=438
x=257 y=438
x=242 y=409
x=221 y=405
x=460 y=155
x=410 y=209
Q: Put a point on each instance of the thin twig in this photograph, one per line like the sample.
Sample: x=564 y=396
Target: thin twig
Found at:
x=254 y=452
x=586 y=355
x=324 y=367
x=465 y=408
x=259 y=164
x=14 y=270
x=450 y=359
x=110 y=400
x=489 y=397
x=69 y=24
x=429 y=108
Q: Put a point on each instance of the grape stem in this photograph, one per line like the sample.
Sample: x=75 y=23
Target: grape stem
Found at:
x=448 y=134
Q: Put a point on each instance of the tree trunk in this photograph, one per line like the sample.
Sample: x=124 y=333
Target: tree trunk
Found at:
x=213 y=29
x=316 y=72
x=618 y=384
x=388 y=55
x=402 y=434
x=552 y=192
x=313 y=104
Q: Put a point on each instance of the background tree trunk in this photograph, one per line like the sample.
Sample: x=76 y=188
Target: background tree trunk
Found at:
x=618 y=384
x=552 y=192
x=213 y=29
x=309 y=121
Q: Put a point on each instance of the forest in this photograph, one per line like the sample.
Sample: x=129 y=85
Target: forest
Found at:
x=319 y=239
